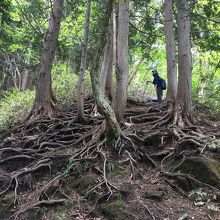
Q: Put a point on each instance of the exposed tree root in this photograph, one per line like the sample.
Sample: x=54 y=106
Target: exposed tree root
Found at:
x=47 y=145
x=37 y=204
x=191 y=178
x=39 y=111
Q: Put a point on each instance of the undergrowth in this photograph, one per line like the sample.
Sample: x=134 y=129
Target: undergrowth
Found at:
x=14 y=105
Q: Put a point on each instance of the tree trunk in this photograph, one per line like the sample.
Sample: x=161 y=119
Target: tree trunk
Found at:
x=170 y=53
x=24 y=81
x=106 y=68
x=43 y=99
x=112 y=128
x=115 y=33
x=7 y=83
x=80 y=98
x=108 y=82
x=183 y=112
x=120 y=98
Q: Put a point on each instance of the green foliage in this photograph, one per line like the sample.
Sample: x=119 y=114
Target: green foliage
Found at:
x=110 y=167
x=65 y=84
x=23 y=25
x=14 y=106
x=78 y=167
x=198 y=195
x=206 y=79
x=201 y=198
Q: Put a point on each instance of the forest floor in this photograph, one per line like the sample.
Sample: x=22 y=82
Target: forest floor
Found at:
x=57 y=169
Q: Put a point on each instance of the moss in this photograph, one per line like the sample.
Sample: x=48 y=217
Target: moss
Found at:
x=8 y=198
x=5 y=202
x=119 y=171
x=204 y=169
x=84 y=184
x=183 y=183
x=3 y=209
x=59 y=216
x=154 y=195
x=114 y=210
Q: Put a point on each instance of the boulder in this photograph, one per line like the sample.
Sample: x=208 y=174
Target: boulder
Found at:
x=114 y=210
x=154 y=195
x=205 y=169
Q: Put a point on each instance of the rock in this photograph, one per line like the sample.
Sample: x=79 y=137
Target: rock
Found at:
x=204 y=169
x=8 y=198
x=3 y=209
x=59 y=216
x=114 y=210
x=154 y=195
x=183 y=183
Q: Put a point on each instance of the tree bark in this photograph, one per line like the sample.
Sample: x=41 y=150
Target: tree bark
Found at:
x=170 y=53
x=106 y=68
x=24 y=81
x=80 y=88
x=115 y=33
x=26 y=74
x=184 y=94
x=120 y=98
x=43 y=99
x=108 y=82
x=112 y=129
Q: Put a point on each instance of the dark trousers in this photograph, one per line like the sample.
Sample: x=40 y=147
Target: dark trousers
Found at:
x=159 y=94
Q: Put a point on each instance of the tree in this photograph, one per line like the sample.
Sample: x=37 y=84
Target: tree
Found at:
x=120 y=98
x=112 y=128
x=108 y=82
x=80 y=100
x=107 y=64
x=44 y=100
x=183 y=113
x=170 y=53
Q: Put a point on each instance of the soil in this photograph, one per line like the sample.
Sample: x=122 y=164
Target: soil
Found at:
x=48 y=170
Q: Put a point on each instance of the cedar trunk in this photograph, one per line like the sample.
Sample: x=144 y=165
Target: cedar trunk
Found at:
x=170 y=53
x=108 y=82
x=120 y=98
x=112 y=129
x=80 y=88
x=184 y=95
x=107 y=64
x=44 y=98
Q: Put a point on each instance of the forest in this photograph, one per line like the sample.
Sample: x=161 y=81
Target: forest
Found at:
x=110 y=109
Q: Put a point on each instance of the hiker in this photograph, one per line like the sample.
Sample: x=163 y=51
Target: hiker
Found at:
x=158 y=86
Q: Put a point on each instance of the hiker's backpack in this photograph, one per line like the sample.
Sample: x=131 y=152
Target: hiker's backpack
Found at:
x=163 y=84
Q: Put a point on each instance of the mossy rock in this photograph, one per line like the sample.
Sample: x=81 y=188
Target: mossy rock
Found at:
x=183 y=183
x=59 y=216
x=204 y=169
x=114 y=210
x=5 y=202
x=84 y=184
x=154 y=195
x=8 y=198
x=3 y=209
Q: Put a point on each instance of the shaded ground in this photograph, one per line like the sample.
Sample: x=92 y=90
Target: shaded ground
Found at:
x=56 y=169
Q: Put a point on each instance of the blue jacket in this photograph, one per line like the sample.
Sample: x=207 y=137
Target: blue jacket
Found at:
x=157 y=80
